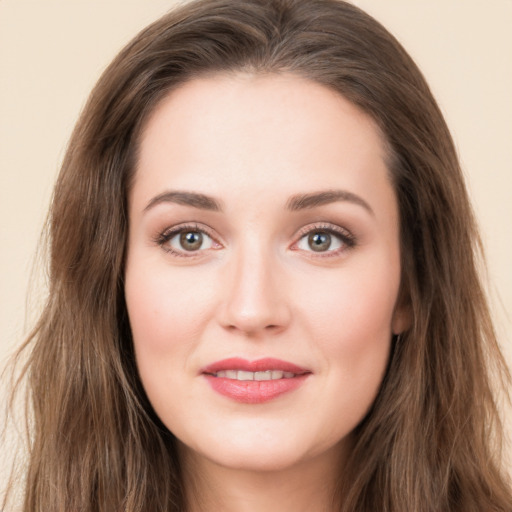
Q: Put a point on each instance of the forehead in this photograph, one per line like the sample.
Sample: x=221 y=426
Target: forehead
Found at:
x=254 y=130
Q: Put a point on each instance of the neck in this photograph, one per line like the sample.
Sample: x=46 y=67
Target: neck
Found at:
x=308 y=485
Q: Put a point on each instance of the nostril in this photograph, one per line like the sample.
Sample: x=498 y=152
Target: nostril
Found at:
x=253 y=330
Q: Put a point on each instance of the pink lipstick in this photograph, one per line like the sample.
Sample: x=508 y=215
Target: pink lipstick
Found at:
x=254 y=382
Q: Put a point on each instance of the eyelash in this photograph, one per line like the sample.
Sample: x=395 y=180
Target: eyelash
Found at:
x=347 y=239
x=166 y=236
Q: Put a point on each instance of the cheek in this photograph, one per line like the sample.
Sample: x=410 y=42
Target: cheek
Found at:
x=351 y=318
x=353 y=307
x=167 y=315
x=359 y=342
x=166 y=311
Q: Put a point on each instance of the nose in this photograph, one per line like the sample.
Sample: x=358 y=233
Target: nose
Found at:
x=254 y=300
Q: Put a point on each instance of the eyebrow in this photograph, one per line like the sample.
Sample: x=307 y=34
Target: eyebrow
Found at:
x=201 y=201
x=306 y=201
x=294 y=203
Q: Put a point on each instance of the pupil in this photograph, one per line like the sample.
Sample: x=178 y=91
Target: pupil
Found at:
x=319 y=241
x=191 y=241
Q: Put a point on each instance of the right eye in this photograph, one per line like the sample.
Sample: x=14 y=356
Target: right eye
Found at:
x=191 y=241
x=186 y=239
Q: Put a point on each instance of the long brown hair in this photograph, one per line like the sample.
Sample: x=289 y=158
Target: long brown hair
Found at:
x=431 y=440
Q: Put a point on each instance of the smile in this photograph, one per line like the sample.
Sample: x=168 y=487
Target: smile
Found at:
x=245 y=375
x=254 y=382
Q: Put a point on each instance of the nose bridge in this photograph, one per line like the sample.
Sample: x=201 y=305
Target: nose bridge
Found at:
x=254 y=300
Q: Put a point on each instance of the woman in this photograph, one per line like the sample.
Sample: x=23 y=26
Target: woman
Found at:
x=263 y=284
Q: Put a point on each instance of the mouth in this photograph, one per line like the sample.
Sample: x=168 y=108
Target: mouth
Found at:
x=254 y=382
x=243 y=375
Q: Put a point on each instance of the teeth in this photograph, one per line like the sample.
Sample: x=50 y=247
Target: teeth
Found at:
x=264 y=375
x=267 y=375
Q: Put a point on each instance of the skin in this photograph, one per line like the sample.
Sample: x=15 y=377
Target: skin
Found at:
x=255 y=287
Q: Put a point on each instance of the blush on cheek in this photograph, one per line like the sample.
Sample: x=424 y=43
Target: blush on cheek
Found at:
x=351 y=315
x=159 y=314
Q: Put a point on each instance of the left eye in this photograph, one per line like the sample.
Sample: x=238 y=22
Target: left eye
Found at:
x=190 y=241
x=320 y=241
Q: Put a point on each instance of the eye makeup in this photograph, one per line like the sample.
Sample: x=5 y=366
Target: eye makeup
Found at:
x=324 y=240
x=192 y=239
x=187 y=240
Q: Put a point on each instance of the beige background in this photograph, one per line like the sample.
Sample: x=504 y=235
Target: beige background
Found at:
x=52 y=52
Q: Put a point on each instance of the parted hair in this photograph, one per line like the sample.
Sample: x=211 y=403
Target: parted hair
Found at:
x=431 y=441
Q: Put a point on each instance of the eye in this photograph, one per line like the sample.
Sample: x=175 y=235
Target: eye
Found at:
x=319 y=241
x=186 y=239
x=190 y=241
x=325 y=240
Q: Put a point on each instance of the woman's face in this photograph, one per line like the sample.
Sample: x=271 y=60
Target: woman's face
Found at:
x=263 y=269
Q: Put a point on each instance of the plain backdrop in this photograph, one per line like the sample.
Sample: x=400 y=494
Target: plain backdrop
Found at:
x=53 y=51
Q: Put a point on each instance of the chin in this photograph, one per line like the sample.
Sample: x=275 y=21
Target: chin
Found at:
x=258 y=452
x=260 y=459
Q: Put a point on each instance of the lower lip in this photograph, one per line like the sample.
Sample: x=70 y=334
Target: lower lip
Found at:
x=254 y=391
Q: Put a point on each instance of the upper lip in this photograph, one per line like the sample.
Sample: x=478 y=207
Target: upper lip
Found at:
x=259 y=365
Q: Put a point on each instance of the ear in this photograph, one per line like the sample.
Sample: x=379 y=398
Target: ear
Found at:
x=402 y=317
